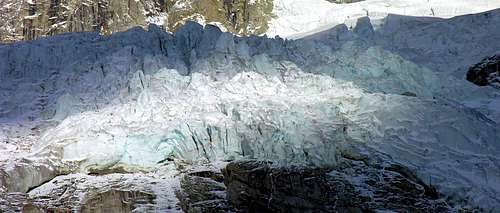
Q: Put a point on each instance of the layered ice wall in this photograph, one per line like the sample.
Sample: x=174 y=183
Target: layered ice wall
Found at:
x=204 y=120
x=133 y=100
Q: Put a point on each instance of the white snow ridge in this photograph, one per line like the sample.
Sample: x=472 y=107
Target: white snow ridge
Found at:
x=82 y=103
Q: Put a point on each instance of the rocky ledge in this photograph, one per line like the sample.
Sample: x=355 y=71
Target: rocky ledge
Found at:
x=354 y=185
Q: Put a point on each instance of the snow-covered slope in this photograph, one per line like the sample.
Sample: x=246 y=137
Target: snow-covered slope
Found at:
x=133 y=100
x=297 y=18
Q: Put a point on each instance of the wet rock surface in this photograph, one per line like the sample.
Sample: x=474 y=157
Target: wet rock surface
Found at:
x=203 y=192
x=352 y=186
x=486 y=72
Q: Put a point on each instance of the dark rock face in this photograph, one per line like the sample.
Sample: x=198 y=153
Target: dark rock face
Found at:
x=486 y=72
x=352 y=186
x=203 y=192
x=27 y=20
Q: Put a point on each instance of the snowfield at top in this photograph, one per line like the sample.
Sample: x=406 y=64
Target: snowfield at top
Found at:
x=297 y=18
x=387 y=86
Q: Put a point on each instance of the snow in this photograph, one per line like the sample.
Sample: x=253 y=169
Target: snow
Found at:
x=297 y=18
x=159 y=19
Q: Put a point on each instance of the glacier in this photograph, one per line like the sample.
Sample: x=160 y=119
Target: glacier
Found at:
x=136 y=100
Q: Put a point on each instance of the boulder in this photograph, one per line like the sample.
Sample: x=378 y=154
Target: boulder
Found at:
x=486 y=72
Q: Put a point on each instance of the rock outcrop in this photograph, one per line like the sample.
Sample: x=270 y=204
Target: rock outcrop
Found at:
x=203 y=191
x=27 y=20
x=486 y=72
x=352 y=186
